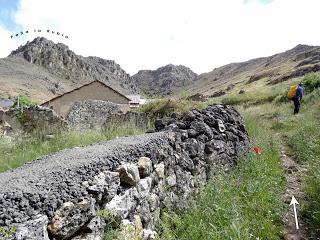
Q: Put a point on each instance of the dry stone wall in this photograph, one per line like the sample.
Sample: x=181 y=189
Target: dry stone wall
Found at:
x=80 y=193
x=33 y=118
x=140 y=120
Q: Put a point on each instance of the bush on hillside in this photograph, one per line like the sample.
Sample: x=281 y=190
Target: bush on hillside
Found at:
x=312 y=97
x=249 y=99
x=232 y=100
x=281 y=98
x=163 y=107
x=311 y=82
x=23 y=101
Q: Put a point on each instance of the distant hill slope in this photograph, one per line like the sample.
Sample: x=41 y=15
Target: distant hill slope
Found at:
x=42 y=69
x=165 y=80
x=267 y=71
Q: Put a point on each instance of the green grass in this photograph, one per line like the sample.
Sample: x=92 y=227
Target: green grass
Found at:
x=311 y=82
x=302 y=133
x=15 y=152
x=304 y=141
x=250 y=99
x=165 y=107
x=242 y=204
x=254 y=209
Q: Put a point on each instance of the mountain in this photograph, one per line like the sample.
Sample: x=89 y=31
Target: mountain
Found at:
x=42 y=69
x=266 y=71
x=165 y=80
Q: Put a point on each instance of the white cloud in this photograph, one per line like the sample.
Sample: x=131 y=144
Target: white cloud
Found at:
x=201 y=34
x=7 y=44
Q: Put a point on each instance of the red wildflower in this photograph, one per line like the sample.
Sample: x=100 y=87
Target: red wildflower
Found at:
x=257 y=150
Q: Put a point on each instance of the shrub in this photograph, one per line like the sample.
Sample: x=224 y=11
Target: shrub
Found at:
x=165 y=107
x=312 y=97
x=311 y=82
x=21 y=117
x=23 y=101
x=281 y=98
x=7 y=233
x=232 y=100
x=249 y=99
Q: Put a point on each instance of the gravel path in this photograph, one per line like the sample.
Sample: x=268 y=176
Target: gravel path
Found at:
x=45 y=183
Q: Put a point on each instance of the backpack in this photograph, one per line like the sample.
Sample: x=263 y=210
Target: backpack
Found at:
x=292 y=92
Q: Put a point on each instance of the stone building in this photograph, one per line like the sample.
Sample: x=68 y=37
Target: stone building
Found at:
x=95 y=90
x=137 y=101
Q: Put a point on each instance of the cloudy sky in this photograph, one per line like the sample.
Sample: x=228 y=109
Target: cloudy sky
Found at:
x=147 y=34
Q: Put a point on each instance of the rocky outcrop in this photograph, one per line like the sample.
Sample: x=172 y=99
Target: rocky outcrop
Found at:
x=264 y=74
x=126 y=182
x=301 y=71
x=218 y=93
x=197 y=97
x=60 y=61
x=164 y=80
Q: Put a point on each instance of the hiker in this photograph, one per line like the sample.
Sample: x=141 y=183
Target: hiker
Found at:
x=295 y=94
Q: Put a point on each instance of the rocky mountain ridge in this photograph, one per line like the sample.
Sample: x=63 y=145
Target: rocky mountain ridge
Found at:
x=62 y=69
x=165 y=80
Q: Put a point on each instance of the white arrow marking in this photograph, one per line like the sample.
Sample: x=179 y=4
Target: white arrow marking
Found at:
x=294 y=202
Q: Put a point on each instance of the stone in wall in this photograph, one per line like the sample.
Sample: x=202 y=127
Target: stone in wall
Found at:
x=5 y=128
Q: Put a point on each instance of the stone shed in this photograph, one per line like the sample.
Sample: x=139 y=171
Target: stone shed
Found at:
x=95 y=90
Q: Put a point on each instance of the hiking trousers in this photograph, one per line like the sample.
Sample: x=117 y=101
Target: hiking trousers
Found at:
x=296 y=103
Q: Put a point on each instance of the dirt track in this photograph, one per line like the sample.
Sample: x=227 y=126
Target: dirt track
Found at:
x=293 y=173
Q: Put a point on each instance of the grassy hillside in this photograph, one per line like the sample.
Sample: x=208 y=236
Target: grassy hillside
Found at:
x=260 y=73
